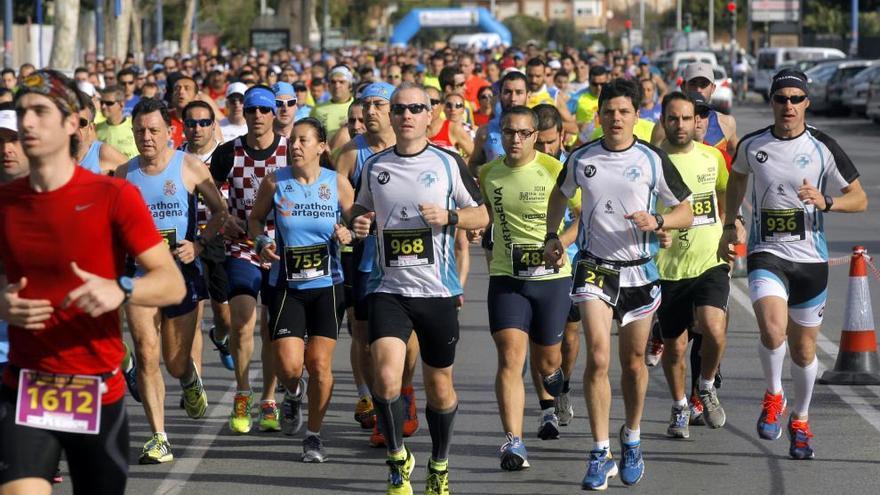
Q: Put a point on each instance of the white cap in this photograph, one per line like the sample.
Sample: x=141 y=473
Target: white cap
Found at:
x=8 y=120
x=554 y=64
x=236 y=88
x=87 y=88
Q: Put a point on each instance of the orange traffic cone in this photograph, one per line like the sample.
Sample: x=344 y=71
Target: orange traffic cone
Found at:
x=740 y=269
x=857 y=362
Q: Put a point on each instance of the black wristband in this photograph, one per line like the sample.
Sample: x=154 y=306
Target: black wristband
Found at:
x=828 y=202
x=452 y=217
x=551 y=235
x=660 y=221
x=730 y=226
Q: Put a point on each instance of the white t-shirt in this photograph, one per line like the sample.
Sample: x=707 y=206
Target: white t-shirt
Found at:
x=231 y=131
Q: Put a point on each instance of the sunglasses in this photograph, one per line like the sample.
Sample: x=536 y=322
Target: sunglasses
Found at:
x=192 y=123
x=108 y=103
x=434 y=102
x=700 y=82
x=83 y=123
x=414 y=108
x=285 y=103
x=449 y=104
x=783 y=100
x=235 y=98
x=485 y=96
x=703 y=113
x=522 y=133
x=253 y=110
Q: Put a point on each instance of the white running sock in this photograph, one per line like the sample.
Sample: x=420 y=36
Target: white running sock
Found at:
x=602 y=445
x=683 y=402
x=804 y=380
x=771 y=362
x=310 y=433
x=631 y=436
x=707 y=384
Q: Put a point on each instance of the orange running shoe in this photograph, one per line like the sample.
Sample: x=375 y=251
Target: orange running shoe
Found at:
x=364 y=413
x=377 y=439
x=411 y=416
x=769 y=424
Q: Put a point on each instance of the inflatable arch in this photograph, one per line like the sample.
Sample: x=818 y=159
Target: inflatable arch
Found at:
x=461 y=17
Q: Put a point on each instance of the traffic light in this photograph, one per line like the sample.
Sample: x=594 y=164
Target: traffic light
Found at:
x=688 y=22
x=731 y=7
x=628 y=24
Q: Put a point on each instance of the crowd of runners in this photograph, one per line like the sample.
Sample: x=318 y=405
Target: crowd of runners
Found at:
x=292 y=191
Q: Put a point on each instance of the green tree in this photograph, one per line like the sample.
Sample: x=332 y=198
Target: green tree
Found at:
x=524 y=28
x=564 y=34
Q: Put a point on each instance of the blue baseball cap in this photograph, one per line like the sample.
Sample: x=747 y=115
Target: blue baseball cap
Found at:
x=259 y=96
x=644 y=60
x=420 y=68
x=283 y=89
x=378 y=90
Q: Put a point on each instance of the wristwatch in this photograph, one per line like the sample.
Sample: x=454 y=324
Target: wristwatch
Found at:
x=453 y=217
x=659 y=218
x=828 y=202
x=126 y=284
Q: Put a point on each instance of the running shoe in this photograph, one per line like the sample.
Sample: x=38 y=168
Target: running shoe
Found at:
x=437 y=482
x=564 y=411
x=678 y=422
x=769 y=424
x=513 y=454
x=269 y=416
x=377 y=439
x=222 y=348
x=195 y=400
x=411 y=418
x=653 y=351
x=600 y=467
x=549 y=427
x=399 y=472
x=313 y=449
x=156 y=451
x=799 y=435
x=364 y=413
x=713 y=413
x=632 y=467
x=291 y=411
x=240 y=420
x=131 y=375
x=696 y=408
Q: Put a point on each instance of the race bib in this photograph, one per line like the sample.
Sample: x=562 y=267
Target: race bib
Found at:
x=782 y=225
x=598 y=280
x=408 y=247
x=69 y=403
x=170 y=237
x=704 y=208
x=527 y=260
x=307 y=262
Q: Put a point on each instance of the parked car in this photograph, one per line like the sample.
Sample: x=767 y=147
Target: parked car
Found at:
x=834 y=87
x=855 y=92
x=818 y=79
x=722 y=98
x=771 y=60
x=872 y=103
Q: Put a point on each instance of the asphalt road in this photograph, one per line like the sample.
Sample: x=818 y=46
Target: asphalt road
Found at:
x=846 y=420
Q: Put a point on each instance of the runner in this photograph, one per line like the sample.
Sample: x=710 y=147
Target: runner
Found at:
x=116 y=129
x=412 y=287
x=62 y=309
x=549 y=141
x=332 y=114
x=651 y=108
x=540 y=93
x=527 y=300
x=285 y=103
x=587 y=101
x=234 y=124
x=796 y=168
x=303 y=109
x=379 y=136
x=514 y=90
x=695 y=282
x=169 y=181
x=100 y=158
x=242 y=163
x=308 y=296
x=615 y=277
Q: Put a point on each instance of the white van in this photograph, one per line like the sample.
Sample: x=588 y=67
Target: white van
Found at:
x=479 y=41
x=770 y=60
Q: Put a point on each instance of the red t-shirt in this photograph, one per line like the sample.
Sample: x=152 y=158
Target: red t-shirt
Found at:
x=176 y=129
x=94 y=220
x=472 y=88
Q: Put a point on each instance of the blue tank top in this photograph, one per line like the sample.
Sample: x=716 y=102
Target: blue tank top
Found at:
x=492 y=147
x=4 y=342
x=369 y=253
x=652 y=114
x=92 y=160
x=305 y=216
x=714 y=134
x=172 y=206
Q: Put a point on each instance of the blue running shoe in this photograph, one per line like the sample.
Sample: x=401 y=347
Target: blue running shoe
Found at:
x=600 y=467
x=513 y=454
x=131 y=375
x=799 y=434
x=769 y=422
x=223 y=349
x=632 y=467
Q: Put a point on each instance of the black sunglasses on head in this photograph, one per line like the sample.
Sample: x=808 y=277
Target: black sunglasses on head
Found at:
x=262 y=110
x=192 y=123
x=783 y=100
x=414 y=108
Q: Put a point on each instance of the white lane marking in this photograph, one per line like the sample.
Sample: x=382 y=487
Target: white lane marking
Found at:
x=187 y=464
x=845 y=392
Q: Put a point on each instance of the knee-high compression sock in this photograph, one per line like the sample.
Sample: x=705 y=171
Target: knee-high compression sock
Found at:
x=804 y=380
x=772 y=361
x=389 y=415
x=440 y=425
